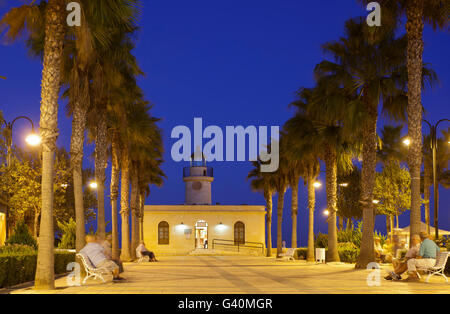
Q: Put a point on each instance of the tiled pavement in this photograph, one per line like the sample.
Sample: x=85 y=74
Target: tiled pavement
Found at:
x=237 y=275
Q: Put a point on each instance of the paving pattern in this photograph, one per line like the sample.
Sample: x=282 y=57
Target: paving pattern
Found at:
x=244 y=275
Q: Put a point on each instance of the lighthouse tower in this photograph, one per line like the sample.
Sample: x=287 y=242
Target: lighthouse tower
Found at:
x=198 y=178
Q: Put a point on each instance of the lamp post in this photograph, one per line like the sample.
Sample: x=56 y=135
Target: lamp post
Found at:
x=32 y=139
x=433 y=136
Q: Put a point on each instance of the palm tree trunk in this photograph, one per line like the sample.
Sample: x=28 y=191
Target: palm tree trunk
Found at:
x=134 y=212
x=294 y=212
x=426 y=192
x=311 y=206
x=76 y=158
x=280 y=206
x=115 y=172
x=101 y=163
x=36 y=222
x=125 y=206
x=367 y=253
x=331 y=183
x=414 y=29
x=51 y=73
x=141 y=224
x=269 y=201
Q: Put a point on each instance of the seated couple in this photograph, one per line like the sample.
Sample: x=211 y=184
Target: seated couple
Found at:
x=423 y=253
x=100 y=257
x=141 y=251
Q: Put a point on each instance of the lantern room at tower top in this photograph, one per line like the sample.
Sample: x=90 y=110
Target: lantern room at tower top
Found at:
x=197 y=224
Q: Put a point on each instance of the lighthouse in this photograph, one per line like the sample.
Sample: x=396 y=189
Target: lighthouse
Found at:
x=198 y=178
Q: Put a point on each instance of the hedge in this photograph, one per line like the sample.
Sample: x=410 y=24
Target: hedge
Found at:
x=347 y=254
x=20 y=268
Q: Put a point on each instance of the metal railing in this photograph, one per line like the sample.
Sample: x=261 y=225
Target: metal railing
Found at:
x=193 y=172
x=238 y=245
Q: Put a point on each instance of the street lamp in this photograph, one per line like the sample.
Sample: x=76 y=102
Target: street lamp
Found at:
x=317 y=184
x=93 y=185
x=433 y=135
x=33 y=139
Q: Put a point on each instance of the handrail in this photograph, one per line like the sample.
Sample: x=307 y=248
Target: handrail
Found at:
x=258 y=245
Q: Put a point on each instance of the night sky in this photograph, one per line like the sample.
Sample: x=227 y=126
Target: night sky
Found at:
x=232 y=63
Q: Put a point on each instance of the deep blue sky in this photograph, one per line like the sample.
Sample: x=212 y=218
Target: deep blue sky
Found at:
x=231 y=63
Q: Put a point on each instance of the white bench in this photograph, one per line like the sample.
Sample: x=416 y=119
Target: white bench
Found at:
x=289 y=255
x=91 y=270
x=438 y=268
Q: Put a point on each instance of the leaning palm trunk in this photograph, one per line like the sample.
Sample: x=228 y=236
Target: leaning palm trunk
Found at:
x=54 y=41
x=414 y=29
x=294 y=213
x=115 y=172
x=331 y=183
x=367 y=253
x=134 y=212
x=101 y=162
x=76 y=159
x=268 y=196
x=125 y=206
x=280 y=206
x=311 y=208
x=426 y=192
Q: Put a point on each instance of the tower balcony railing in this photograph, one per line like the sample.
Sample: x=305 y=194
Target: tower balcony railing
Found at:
x=198 y=172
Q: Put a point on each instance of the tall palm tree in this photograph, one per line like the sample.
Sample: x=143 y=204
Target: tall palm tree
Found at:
x=264 y=182
x=418 y=12
x=374 y=68
x=44 y=20
x=301 y=130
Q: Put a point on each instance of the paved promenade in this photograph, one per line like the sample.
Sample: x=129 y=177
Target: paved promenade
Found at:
x=236 y=275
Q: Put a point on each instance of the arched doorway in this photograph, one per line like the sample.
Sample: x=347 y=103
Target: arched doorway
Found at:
x=201 y=235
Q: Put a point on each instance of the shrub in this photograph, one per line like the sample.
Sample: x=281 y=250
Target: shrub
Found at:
x=321 y=240
x=301 y=253
x=69 y=233
x=348 y=252
x=21 y=235
x=18 y=264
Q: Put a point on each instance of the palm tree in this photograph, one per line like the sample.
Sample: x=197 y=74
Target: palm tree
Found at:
x=263 y=182
x=301 y=130
x=418 y=12
x=373 y=67
x=294 y=170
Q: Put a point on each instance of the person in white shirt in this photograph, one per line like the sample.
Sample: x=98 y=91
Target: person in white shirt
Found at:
x=141 y=250
x=401 y=267
x=98 y=256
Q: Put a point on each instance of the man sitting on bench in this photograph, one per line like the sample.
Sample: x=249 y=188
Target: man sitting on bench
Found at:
x=98 y=257
x=142 y=250
x=402 y=266
x=426 y=258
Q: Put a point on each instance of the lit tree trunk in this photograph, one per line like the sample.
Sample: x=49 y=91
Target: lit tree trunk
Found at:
x=294 y=213
x=391 y=223
x=53 y=48
x=331 y=183
x=414 y=29
x=101 y=163
x=268 y=196
x=115 y=172
x=280 y=206
x=134 y=211
x=36 y=222
x=311 y=206
x=426 y=192
x=76 y=158
x=367 y=253
x=125 y=206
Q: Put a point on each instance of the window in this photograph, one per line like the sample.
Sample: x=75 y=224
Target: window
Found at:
x=163 y=233
x=239 y=233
